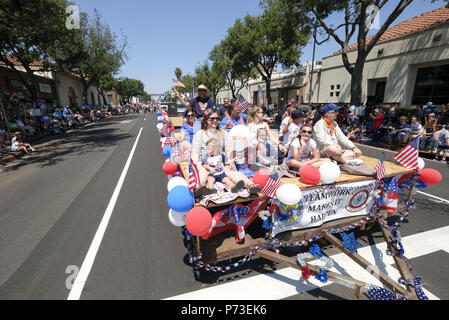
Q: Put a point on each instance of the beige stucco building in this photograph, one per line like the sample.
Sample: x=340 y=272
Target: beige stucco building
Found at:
x=409 y=66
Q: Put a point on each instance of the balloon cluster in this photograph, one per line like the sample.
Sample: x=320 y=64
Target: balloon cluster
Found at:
x=197 y=220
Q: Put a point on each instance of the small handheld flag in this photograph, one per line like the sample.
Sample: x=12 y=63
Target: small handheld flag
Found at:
x=178 y=84
x=194 y=176
x=391 y=196
x=408 y=156
x=272 y=185
x=380 y=168
x=241 y=104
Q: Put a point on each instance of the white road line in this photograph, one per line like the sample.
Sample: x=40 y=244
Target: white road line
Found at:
x=435 y=197
x=77 y=289
x=287 y=282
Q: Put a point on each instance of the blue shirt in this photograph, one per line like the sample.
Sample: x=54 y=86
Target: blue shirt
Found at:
x=189 y=132
x=234 y=121
x=209 y=102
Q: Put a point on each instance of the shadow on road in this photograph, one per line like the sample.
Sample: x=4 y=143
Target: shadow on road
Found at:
x=95 y=138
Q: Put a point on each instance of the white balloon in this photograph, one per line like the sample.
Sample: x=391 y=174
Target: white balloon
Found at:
x=289 y=194
x=238 y=138
x=159 y=126
x=330 y=172
x=176 y=181
x=178 y=219
x=169 y=177
x=421 y=163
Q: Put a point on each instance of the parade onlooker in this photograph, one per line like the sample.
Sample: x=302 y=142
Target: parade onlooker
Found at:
x=416 y=130
x=444 y=143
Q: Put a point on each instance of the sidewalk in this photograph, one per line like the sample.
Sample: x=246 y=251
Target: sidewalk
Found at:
x=40 y=141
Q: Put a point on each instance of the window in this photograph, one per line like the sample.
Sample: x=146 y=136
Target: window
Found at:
x=332 y=87
x=16 y=85
x=44 y=87
x=332 y=94
x=337 y=94
x=380 y=53
x=432 y=84
x=338 y=87
x=437 y=38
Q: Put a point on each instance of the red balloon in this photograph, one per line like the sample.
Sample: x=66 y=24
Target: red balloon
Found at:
x=198 y=221
x=310 y=175
x=261 y=178
x=430 y=176
x=170 y=168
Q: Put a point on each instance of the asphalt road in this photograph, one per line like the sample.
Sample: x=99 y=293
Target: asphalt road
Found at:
x=52 y=204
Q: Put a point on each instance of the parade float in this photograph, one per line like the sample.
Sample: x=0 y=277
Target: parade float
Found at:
x=318 y=206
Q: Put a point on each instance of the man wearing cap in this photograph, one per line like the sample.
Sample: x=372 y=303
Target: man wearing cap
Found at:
x=199 y=104
x=331 y=141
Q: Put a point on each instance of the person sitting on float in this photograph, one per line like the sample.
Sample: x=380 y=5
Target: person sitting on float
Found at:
x=331 y=141
x=291 y=132
x=199 y=104
x=209 y=130
x=187 y=129
x=232 y=117
x=303 y=150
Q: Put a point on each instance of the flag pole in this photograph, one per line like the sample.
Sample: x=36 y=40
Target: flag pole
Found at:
x=313 y=62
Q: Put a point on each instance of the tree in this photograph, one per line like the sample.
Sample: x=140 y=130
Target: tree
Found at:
x=237 y=75
x=178 y=73
x=211 y=77
x=357 y=19
x=107 y=82
x=128 y=88
x=98 y=53
x=266 y=41
x=30 y=32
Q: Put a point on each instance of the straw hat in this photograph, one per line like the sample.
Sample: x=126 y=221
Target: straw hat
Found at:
x=203 y=87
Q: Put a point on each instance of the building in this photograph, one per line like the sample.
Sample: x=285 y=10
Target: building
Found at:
x=55 y=88
x=409 y=66
x=286 y=85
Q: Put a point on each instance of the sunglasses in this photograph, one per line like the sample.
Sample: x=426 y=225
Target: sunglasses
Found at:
x=308 y=132
x=214 y=119
x=190 y=115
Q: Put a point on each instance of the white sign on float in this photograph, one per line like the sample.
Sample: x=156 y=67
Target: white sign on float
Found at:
x=319 y=206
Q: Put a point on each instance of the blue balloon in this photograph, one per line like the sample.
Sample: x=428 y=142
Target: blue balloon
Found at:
x=159 y=113
x=180 y=199
x=167 y=152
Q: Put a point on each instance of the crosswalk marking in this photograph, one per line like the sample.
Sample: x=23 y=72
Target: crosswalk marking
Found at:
x=287 y=282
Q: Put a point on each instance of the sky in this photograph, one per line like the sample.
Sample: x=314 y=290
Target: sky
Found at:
x=165 y=34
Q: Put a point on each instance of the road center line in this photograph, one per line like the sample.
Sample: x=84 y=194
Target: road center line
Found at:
x=435 y=197
x=77 y=289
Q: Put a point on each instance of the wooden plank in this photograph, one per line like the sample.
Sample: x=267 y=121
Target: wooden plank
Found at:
x=223 y=246
x=374 y=270
x=358 y=285
x=400 y=263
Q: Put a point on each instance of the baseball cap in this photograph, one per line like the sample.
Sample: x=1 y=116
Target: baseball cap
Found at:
x=330 y=107
x=296 y=114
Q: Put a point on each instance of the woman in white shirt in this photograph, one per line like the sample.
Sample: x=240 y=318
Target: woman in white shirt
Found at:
x=304 y=151
x=209 y=130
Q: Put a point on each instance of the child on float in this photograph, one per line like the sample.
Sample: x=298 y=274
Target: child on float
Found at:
x=303 y=150
x=263 y=148
x=215 y=166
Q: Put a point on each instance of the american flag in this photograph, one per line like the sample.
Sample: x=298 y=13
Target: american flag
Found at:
x=241 y=104
x=408 y=156
x=169 y=141
x=272 y=185
x=166 y=130
x=194 y=176
x=178 y=84
x=391 y=196
x=380 y=168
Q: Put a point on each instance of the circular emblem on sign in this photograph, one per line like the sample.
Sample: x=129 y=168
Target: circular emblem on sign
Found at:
x=359 y=200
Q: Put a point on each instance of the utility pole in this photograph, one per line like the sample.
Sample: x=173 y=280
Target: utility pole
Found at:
x=313 y=63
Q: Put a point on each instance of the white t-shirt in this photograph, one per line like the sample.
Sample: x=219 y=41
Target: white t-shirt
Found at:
x=292 y=133
x=308 y=150
x=216 y=162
